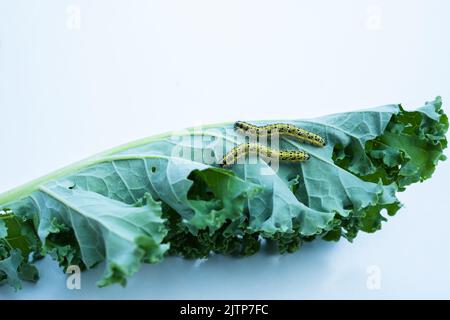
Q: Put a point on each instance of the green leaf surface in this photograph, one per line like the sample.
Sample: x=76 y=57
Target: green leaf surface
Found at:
x=166 y=195
x=18 y=245
x=9 y=269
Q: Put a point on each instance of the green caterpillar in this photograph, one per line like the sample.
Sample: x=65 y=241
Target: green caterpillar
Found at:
x=281 y=129
x=266 y=152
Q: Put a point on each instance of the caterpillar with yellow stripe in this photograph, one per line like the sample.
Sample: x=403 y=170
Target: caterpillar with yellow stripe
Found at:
x=281 y=129
x=254 y=148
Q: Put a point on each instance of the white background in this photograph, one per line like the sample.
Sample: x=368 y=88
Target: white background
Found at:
x=78 y=77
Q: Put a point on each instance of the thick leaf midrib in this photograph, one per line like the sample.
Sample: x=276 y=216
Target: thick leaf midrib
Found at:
x=27 y=189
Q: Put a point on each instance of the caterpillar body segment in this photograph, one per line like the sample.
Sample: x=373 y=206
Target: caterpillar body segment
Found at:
x=281 y=129
x=263 y=151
